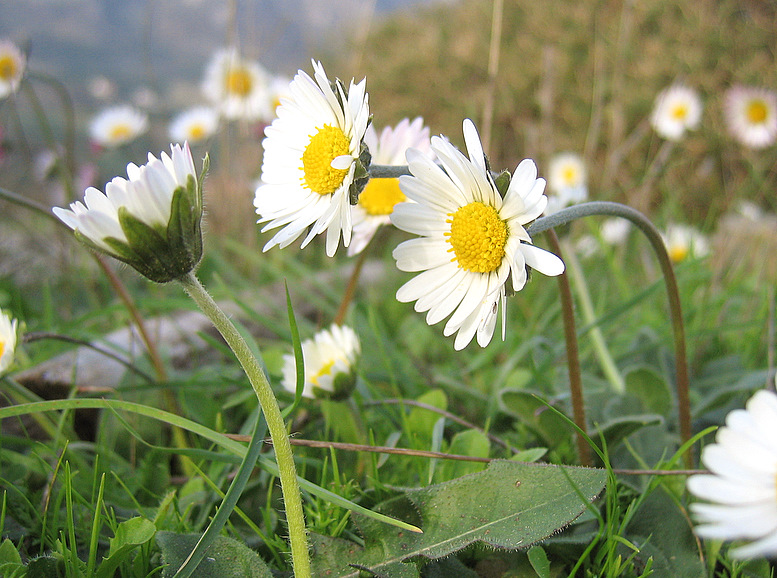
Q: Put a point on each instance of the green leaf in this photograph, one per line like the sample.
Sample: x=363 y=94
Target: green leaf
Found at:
x=651 y=388
x=539 y=561
x=420 y=421
x=534 y=414
x=509 y=505
x=471 y=443
x=8 y=553
x=615 y=431
x=226 y=558
x=45 y=567
x=130 y=534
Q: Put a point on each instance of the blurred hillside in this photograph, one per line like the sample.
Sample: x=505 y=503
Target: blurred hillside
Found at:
x=582 y=76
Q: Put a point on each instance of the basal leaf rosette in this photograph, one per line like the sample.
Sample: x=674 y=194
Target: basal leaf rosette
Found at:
x=151 y=221
x=472 y=239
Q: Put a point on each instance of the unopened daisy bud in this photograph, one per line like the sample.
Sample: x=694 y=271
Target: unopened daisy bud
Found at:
x=151 y=221
x=329 y=364
x=7 y=341
x=12 y=65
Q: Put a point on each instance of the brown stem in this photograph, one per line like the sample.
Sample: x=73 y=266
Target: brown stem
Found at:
x=350 y=290
x=573 y=360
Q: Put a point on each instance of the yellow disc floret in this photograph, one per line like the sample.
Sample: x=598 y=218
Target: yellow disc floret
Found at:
x=678 y=253
x=8 y=67
x=477 y=237
x=120 y=131
x=2 y=348
x=196 y=131
x=756 y=111
x=325 y=146
x=679 y=111
x=380 y=196
x=325 y=370
x=239 y=82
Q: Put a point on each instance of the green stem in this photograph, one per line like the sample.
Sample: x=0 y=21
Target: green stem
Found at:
x=654 y=237
x=606 y=362
x=283 y=454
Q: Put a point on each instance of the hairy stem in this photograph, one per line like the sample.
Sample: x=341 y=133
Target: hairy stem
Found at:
x=283 y=455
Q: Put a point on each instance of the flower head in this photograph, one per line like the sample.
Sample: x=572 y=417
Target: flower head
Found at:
x=329 y=364
x=683 y=241
x=7 y=340
x=151 y=221
x=472 y=239
x=741 y=487
x=313 y=161
x=117 y=125
x=380 y=196
x=676 y=110
x=567 y=181
x=194 y=125
x=12 y=65
x=237 y=86
x=751 y=115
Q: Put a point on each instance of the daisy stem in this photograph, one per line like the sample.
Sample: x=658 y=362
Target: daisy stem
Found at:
x=653 y=235
x=292 y=500
x=573 y=359
x=388 y=171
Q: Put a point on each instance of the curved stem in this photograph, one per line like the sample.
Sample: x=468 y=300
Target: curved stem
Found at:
x=573 y=359
x=654 y=237
x=283 y=455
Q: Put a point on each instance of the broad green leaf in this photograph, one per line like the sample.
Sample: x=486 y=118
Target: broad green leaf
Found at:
x=509 y=505
x=226 y=558
x=651 y=388
x=535 y=414
x=420 y=422
x=130 y=534
x=471 y=443
x=539 y=561
x=45 y=567
x=8 y=553
x=615 y=431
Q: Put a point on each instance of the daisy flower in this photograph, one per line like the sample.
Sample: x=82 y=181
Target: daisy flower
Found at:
x=615 y=230
x=751 y=115
x=236 y=86
x=741 y=487
x=194 y=125
x=329 y=364
x=311 y=160
x=12 y=65
x=150 y=221
x=472 y=240
x=676 y=110
x=377 y=200
x=683 y=241
x=567 y=178
x=7 y=340
x=117 y=125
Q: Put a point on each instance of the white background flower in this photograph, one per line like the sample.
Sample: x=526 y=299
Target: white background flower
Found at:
x=741 y=487
x=7 y=340
x=379 y=197
x=471 y=240
x=117 y=125
x=238 y=87
x=676 y=110
x=331 y=351
x=12 y=65
x=567 y=181
x=310 y=155
x=683 y=241
x=751 y=115
x=194 y=125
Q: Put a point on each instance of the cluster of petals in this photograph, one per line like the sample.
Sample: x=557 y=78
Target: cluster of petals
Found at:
x=740 y=501
x=194 y=125
x=284 y=198
x=237 y=87
x=444 y=287
x=147 y=195
x=13 y=62
x=7 y=340
x=117 y=125
x=331 y=353
x=751 y=115
x=567 y=181
x=389 y=149
x=677 y=109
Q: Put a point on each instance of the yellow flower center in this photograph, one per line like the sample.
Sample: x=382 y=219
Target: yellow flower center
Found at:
x=239 y=81
x=678 y=253
x=569 y=174
x=380 y=196
x=679 y=111
x=325 y=146
x=477 y=237
x=8 y=67
x=196 y=131
x=2 y=348
x=325 y=370
x=120 y=131
x=756 y=111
